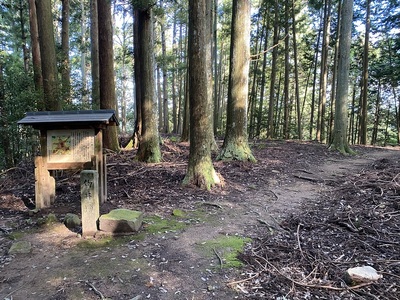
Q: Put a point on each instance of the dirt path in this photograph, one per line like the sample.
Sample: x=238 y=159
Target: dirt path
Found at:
x=176 y=261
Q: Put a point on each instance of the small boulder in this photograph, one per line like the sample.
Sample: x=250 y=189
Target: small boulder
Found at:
x=47 y=220
x=362 y=274
x=20 y=247
x=121 y=221
x=72 y=221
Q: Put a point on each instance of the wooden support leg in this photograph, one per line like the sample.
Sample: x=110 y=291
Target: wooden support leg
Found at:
x=45 y=186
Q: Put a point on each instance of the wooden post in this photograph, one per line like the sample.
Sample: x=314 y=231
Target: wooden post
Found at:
x=45 y=185
x=101 y=166
x=90 y=206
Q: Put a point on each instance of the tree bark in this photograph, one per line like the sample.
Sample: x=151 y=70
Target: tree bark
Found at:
x=340 y=141
x=321 y=132
x=200 y=170
x=94 y=51
x=149 y=148
x=296 y=75
x=235 y=145
x=108 y=98
x=287 y=71
x=137 y=77
x=270 y=129
x=36 y=60
x=364 y=94
x=164 y=82
x=48 y=56
x=263 y=76
x=65 y=68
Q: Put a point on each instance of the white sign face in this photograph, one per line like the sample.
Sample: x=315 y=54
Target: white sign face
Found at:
x=75 y=145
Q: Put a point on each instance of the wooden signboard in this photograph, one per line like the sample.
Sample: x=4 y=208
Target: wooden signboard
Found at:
x=74 y=145
x=69 y=140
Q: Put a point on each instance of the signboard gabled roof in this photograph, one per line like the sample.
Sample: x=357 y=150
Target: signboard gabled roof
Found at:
x=76 y=117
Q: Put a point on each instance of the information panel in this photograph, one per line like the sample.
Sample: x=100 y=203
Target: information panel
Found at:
x=75 y=145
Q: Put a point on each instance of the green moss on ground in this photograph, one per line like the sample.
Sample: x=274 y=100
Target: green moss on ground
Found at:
x=156 y=224
x=225 y=248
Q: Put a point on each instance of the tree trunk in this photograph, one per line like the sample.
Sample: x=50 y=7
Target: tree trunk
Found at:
x=165 y=82
x=339 y=141
x=138 y=78
x=200 y=170
x=287 y=71
x=217 y=100
x=36 y=60
x=94 y=50
x=270 y=130
x=21 y=10
x=235 y=145
x=48 y=56
x=312 y=117
x=159 y=99
x=377 y=115
x=253 y=94
x=296 y=75
x=65 y=68
x=175 y=103
x=364 y=94
x=149 y=147
x=263 y=76
x=186 y=111
x=108 y=98
x=334 y=75
x=324 y=73
x=85 y=99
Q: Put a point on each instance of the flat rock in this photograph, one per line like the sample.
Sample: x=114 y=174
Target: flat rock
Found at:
x=363 y=274
x=121 y=221
x=20 y=247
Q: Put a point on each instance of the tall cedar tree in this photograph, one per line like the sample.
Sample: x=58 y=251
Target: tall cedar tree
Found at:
x=200 y=170
x=149 y=147
x=138 y=95
x=65 y=67
x=235 y=143
x=48 y=56
x=94 y=53
x=339 y=138
x=108 y=99
x=36 y=61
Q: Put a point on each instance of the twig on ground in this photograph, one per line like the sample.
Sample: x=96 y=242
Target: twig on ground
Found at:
x=211 y=204
x=219 y=258
x=97 y=292
x=298 y=240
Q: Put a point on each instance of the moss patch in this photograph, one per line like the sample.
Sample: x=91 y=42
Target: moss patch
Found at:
x=225 y=248
x=156 y=224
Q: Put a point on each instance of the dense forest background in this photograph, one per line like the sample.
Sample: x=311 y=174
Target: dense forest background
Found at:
x=292 y=79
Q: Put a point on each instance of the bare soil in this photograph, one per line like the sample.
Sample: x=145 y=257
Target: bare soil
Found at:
x=310 y=214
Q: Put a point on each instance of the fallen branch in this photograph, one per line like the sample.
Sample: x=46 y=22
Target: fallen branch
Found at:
x=97 y=292
x=219 y=258
x=306 y=178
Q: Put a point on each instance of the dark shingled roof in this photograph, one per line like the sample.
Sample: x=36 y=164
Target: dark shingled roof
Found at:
x=78 y=117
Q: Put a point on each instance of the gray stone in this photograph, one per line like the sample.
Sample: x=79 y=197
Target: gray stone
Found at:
x=20 y=247
x=363 y=274
x=121 y=221
x=72 y=221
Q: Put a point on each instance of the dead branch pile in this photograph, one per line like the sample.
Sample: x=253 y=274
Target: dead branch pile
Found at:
x=356 y=225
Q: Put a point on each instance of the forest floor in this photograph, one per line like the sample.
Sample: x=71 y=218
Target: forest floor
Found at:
x=297 y=220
